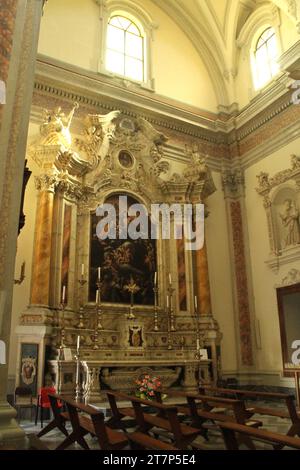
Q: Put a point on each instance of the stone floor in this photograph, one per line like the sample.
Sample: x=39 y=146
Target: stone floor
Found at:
x=215 y=441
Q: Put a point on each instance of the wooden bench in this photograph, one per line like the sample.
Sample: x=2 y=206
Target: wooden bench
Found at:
x=203 y=408
x=164 y=417
x=290 y=412
x=278 y=441
x=59 y=421
x=86 y=419
x=139 y=440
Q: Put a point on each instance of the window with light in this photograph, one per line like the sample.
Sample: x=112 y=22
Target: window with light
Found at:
x=265 y=58
x=125 y=49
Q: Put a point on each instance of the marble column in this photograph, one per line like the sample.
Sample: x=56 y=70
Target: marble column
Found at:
x=202 y=279
x=41 y=266
x=20 y=26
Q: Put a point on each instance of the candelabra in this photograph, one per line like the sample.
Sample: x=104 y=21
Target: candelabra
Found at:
x=78 y=387
x=155 y=290
x=62 y=326
x=170 y=343
x=197 y=354
x=82 y=282
x=171 y=310
x=98 y=323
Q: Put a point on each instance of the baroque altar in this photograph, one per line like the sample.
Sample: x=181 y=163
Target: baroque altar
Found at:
x=107 y=156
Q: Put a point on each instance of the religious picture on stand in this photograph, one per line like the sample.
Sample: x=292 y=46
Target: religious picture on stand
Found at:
x=122 y=261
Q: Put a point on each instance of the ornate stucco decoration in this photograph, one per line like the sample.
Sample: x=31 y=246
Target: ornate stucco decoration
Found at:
x=292 y=277
x=233 y=183
x=195 y=182
x=60 y=167
x=281 y=197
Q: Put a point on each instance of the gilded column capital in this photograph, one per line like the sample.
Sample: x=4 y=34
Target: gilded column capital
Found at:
x=46 y=182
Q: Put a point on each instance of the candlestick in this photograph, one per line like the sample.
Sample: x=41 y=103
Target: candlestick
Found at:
x=63 y=297
x=196 y=303
x=170 y=307
x=98 y=317
x=82 y=282
x=155 y=290
x=78 y=388
x=62 y=328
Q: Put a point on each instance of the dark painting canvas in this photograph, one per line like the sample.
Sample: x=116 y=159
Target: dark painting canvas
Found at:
x=120 y=261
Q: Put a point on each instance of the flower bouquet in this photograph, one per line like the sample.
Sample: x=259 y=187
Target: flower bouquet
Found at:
x=147 y=386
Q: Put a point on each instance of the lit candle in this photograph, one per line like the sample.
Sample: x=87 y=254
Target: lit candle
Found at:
x=63 y=294
x=170 y=279
x=99 y=274
x=196 y=303
x=97 y=296
x=167 y=301
x=155 y=278
x=82 y=269
x=198 y=343
x=78 y=343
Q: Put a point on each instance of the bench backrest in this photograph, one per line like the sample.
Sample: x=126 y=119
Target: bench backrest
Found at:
x=229 y=430
x=288 y=398
x=209 y=402
x=96 y=416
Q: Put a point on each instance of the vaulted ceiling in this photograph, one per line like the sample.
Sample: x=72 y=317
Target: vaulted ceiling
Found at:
x=213 y=27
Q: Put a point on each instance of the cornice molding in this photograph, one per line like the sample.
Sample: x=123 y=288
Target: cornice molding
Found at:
x=59 y=82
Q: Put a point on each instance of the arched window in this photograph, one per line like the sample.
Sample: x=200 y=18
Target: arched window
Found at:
x=265 y=58
x=125 y=48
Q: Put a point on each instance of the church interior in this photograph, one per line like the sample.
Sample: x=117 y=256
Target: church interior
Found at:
x=150 y=341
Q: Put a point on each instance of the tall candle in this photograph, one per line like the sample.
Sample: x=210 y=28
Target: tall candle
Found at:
x=155 y=278
x=198 y=343
x=196 y=303
x=170 y=279
x=63 y=294
x=167 y=301
x=97 y=296
x=82 y=269
x=78 y=343
x=99 y=274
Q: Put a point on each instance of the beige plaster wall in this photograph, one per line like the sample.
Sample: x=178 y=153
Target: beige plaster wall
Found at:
x=70 y=32
x=244 y=87
x=24 y=253
x=220 y=274
x=264 y=279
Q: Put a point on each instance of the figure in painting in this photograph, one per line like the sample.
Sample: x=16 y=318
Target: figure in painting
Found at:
x=122 y=261
x=290 y=221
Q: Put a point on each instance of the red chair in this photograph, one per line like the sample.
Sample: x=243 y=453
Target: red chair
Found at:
x=43 y=402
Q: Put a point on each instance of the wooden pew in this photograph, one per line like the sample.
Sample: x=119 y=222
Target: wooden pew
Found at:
x=108 y=439
x=165 y=418
x=59 y=418
x=290 y=413
x=203 y=408
x=278 y=441
x=139 y=440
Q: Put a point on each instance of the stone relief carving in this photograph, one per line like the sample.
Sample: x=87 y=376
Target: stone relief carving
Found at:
x=281 y=198
x=290 y=221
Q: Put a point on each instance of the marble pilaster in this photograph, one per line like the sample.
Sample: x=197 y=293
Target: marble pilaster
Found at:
x=13 y=135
